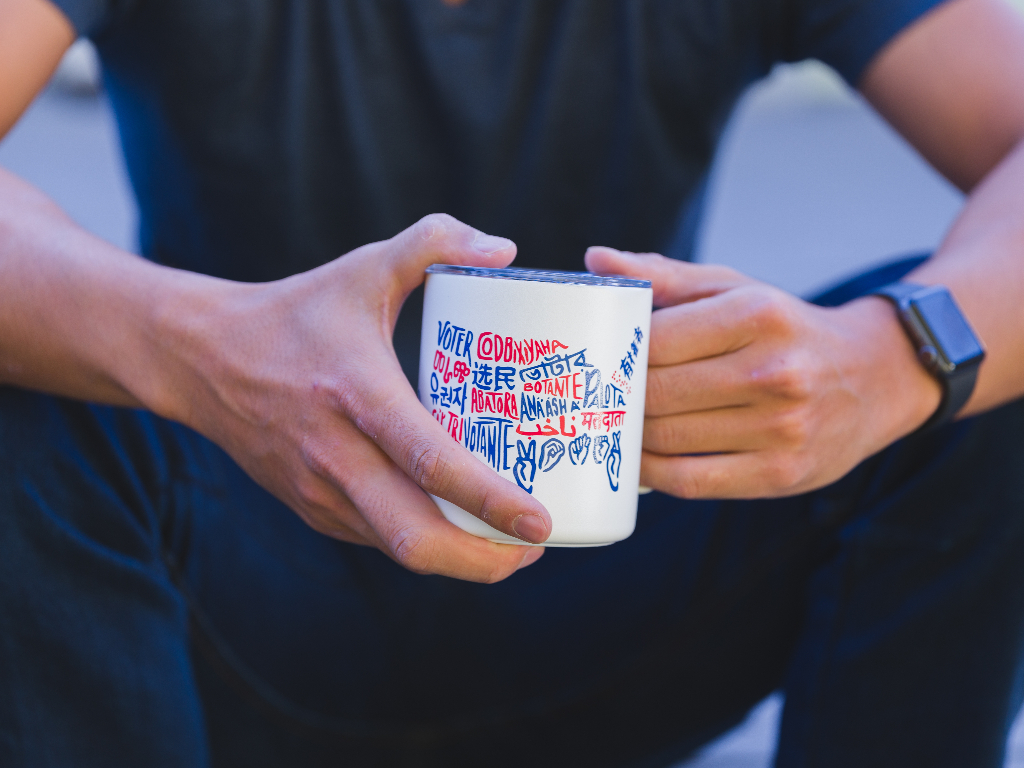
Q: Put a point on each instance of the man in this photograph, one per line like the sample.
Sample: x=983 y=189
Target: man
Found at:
x=161 y=608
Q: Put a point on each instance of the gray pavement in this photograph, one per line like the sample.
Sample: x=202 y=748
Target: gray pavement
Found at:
x=67 y=145
x=810 y=186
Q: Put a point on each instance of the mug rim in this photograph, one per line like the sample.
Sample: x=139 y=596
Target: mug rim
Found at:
x=539 y=275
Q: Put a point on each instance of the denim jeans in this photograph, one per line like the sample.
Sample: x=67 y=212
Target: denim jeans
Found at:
x=157 y=608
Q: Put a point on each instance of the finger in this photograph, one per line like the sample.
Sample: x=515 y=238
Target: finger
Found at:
x=386 y=409
x=703 y=385
x=722 y=476
x=327 y=510
x=322 y=521
x=442 y=239
x=312 y=492
x=725 y=430
x=673 y=281
x=411 y=528
x=418 y=537
x=704 y=328
x=534 y=554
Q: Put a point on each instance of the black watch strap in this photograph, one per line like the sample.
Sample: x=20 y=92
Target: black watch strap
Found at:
x=898 y=292
x=956 y=392
x=945 y=342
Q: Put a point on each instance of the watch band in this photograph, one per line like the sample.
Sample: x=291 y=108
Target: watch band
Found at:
x=898 y=292
x=958 y=383
x=956 y=392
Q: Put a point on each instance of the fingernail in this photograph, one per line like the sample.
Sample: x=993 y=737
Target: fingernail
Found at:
x=490 y=244
x=530 y=528
x=531 y=557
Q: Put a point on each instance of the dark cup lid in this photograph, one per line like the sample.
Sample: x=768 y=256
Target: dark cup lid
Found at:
x=540 y=276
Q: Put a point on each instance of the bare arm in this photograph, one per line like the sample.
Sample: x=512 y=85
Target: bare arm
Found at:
x=953 y=84
x=296 y=379
x=753 y=392
x=33 y=37
x=58 y=314
x=73 y=305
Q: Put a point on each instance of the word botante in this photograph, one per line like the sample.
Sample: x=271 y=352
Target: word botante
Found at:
x=531 y=406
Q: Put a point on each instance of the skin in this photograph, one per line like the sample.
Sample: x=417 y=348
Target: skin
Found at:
x=33 y=37
x=790 y=396
x=298 y=380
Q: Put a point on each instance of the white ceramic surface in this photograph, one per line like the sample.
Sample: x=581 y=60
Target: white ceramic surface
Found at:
x=543 y=380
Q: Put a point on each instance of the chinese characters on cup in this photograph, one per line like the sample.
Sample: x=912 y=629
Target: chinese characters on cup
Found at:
x=541 y=376
x=489 y=389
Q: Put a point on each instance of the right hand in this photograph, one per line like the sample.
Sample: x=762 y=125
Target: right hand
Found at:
x=299 y=382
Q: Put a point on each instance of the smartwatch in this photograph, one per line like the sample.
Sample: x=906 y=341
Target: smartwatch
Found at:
x=946 y=344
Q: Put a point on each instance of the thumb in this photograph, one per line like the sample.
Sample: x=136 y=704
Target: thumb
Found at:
x=673 y=281
x=443 y=239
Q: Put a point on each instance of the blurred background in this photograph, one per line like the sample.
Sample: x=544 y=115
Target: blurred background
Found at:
x=809 y=186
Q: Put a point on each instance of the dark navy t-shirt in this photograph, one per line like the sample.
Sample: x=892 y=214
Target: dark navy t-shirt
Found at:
x=266 y=137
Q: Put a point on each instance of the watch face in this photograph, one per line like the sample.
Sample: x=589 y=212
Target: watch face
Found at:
x=938 y=317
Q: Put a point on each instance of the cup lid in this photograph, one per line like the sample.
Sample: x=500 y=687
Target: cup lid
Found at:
x=539 y=276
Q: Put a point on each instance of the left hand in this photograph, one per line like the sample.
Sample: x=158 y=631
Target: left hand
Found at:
x=753 y=392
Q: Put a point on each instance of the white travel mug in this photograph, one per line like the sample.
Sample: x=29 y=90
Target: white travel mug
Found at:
x=541 y=375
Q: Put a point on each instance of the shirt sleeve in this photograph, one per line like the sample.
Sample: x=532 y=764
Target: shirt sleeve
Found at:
x=846 y=34
x=90 y=17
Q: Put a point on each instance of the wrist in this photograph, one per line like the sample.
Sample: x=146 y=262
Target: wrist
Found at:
x=901 y=394
x=180 y=332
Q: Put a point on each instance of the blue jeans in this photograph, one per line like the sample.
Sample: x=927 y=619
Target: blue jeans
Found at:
x=157 y=608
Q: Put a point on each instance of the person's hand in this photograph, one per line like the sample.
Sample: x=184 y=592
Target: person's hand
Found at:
x=299 y=382
x=752 y=392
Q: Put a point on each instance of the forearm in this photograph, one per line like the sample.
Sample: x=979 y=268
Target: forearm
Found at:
x=79 y=317
x=982 y=262
x=33 y=36
x=951 y=84
x=296 y=379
